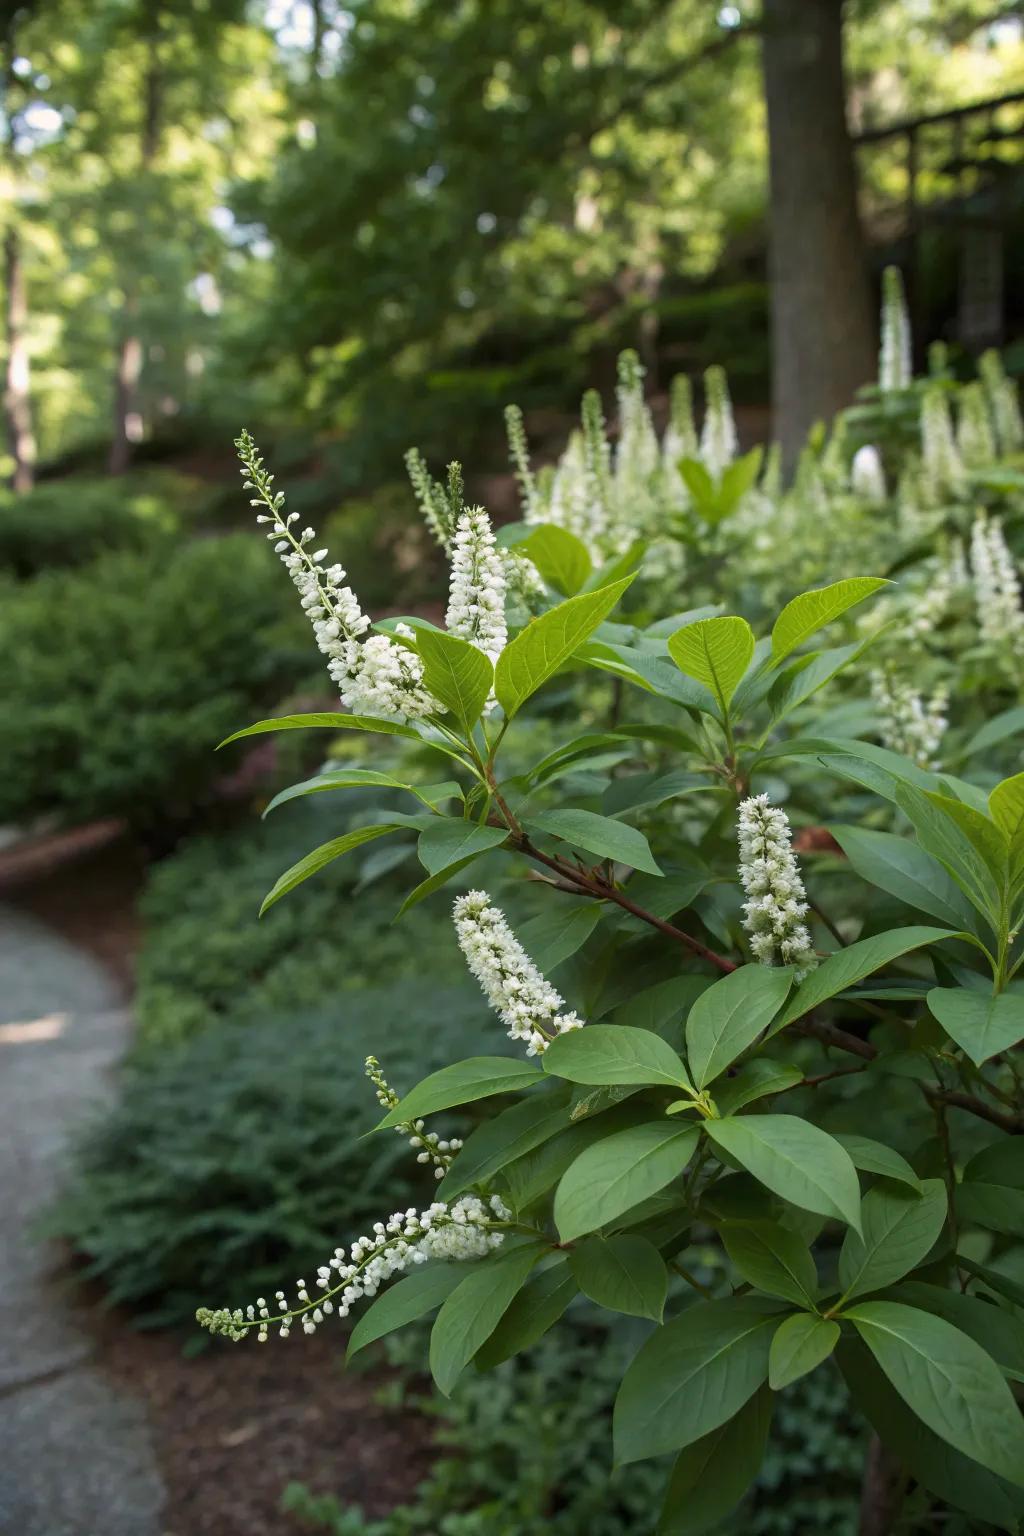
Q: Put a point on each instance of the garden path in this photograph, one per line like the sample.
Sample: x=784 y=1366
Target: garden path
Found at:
x=78 y=1457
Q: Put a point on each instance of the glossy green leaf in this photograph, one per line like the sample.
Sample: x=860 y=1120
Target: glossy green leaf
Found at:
x=450 y=840
x=981 y=1024
x=799 y=1345
x=478 y=1077
x=474 y=1309
x=850 y=965
x=805 y=615
x=898 y=1230
x=313 y=862
x=948 y=1381
x=711 y=1476
x=600 y=835
x=419 y=1292
x=942 y=831
x=456 y=673
x=773 y=1260
x=546 y=644
x=603 y=1054
x=333 y=721
x=624 y=1273
x=1006 y=806
x=795 y=1160
x=560 y=557
x=715 y=652
x=619 y=1171
x=340 y=778
x=730 y=1015
x=693 y=1375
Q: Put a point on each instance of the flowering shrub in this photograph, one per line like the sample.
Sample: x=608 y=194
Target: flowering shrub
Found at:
x=831 y=1091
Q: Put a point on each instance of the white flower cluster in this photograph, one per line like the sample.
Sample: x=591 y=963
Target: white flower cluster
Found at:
x=930 y=606
x=941 y=466
x=718 y=440
x=468 y=1229
x=375 y=676
x=476 y=601
x=907 y=724
x=1004 y=402
x=776 y=902
x=975 y=438
x=528 y=1006
x=428 y=1146
x=997 y=592
x=867 y=477
x=680 y=439
x=895 y=367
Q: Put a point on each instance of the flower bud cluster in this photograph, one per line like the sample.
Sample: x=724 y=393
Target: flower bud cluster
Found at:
x=476 y=601
x=427 y=1145
x=467 y=1229
x=530 y=1007
x=776 y=902
x=941 y=465
x=895 y=367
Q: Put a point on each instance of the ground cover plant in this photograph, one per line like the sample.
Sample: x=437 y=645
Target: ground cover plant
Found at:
x=810 y=1060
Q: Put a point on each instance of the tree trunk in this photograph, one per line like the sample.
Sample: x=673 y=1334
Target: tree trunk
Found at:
x=21 y=440
x=882 y=1490
x=129 y=423
x=823 y=333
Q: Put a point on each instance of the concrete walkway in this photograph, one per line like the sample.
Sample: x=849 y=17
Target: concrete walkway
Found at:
x=76 y=1457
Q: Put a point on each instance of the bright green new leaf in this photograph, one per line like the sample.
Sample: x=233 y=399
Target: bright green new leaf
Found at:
x=850 y=965
x=730 y=1015
x=795 y=1160
x=419 y=1292
x=619 y=1171
x=613 y=1053
x=979 y=1022
x=456 y=673
x=474 y=1309
x=624 y=1273
x=799 y=1345
x=898 y=1230
x=546 y=644
x=478 y=1077
x=711 y=1476
x=811 y=611
x=313 y=862
x=692 y=1375
x=1006 y=806
x=715 y=652
x=600 y=835
x=948 y=1381
x=449 y=840
x=560 y=557
x=773 y=1260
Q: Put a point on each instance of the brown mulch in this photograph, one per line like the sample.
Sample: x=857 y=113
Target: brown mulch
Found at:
x=235 y=1425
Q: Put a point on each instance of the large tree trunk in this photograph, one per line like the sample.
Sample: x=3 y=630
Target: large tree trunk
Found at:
x=823 y=334
x=882 y=1490
x=21 y=440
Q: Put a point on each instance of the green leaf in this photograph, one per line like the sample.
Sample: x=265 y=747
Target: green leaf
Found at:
x=1006 y=806
x=613 y=1053
x=340 y=778
x=639 y=791
x=601 y=835
x=535 y=1309
x=329 y=722
x=1002 y=1162
x=755 y=1080
x=560 y=557
x=944 y=1472
x=693 y=1375
x=547 y=643
x=618 y=1172
x=804 y=677
x=498 y=1141
x=899 y=1229
x=715 y=652
x=948 y=1381
x=313 y=862
x=624 y=1273
x=450 y=840
x=940 y=832
x=478 y=1077
x=850 y=965
x=711 y=1476
x=906 y=871
x=1002 y=1284
x=730 y=1015
x=793 y=1159
x=456 y=673
x=998 y=1331
x=420 y=1292
x=474 y=1309
x=998 y=729
x=433 y=883
x=773 y=1259
x=872 y=1157
x=811 y=611
x=991 y=1206
x=555 y=936
x=799 y=1346
x=980 y=1023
